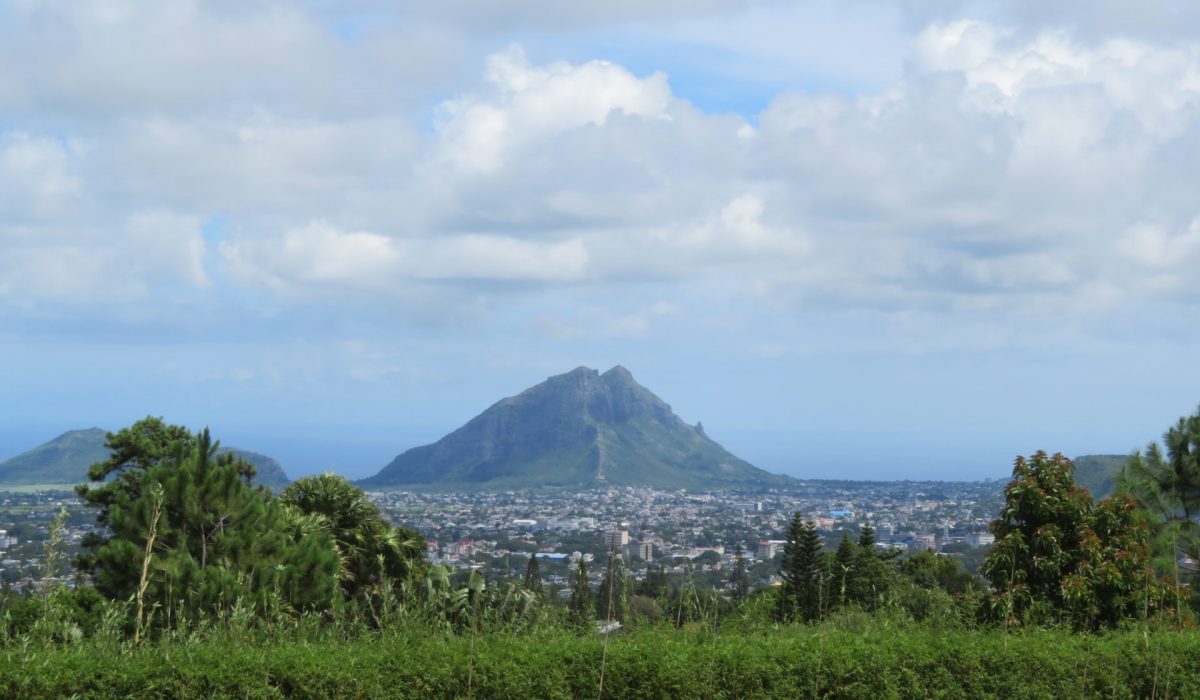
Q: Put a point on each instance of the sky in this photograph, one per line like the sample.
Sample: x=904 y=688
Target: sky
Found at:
x=867 y=240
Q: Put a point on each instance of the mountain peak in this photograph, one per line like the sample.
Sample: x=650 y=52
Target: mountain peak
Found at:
x=619 y=373
x=577 y=429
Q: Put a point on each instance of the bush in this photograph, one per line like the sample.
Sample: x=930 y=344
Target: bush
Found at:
x=801 y=661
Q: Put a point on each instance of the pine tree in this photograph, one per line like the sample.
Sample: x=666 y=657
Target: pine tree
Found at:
x=866 y=538
x=216 y=539
x=533 y=575
x=580 y=605
x=739 y=582
x=801 y=596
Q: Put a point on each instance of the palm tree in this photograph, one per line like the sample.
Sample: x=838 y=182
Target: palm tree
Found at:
x=372 y=550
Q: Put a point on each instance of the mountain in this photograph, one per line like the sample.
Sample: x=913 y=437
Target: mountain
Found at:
x=576 y=429
x=63 y=460
x=1098 y=473
x=66 y=458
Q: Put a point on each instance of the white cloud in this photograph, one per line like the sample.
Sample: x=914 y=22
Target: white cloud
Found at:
x=529 y=102
x=1005 y=170
x=150 y=250
x=319 y=254
x=37 y=178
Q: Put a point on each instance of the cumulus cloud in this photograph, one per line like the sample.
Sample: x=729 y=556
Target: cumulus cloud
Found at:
x=529 y=102
x=1012 y=165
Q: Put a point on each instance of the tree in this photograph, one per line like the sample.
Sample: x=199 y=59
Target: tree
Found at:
x=801 y=596
x=932 y=571
x=372 y=550
x=216 y=540
x=872 y=573
x=533 y=576
x=843 y=568
x=613 y=597
x=580 y=606
x=739 y=581
x=1167 y=487
x=1057 y=555
x=866 y=538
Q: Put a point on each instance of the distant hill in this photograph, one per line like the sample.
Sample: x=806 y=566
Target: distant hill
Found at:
x=63 y=460
x=66 y=458
x=577 y=429
x=1098 y=473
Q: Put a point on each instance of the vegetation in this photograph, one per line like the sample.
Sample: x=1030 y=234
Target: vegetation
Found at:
x=207 y=585
x=1056 y=554
x=835 y=660
x=1165 y=482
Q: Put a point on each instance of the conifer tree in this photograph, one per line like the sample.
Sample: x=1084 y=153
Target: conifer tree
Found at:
x=1166 y=484
x=217 y=540
x=801 y=596
x=533 y=575
x=866 y=538
x=843 y=569
x=580 y=606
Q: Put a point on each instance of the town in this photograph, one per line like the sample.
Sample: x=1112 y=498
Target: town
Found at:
x=696 y=534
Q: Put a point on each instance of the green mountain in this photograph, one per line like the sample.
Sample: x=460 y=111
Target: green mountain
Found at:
x=66 y=458
x=577 y=429
x=1098 y=473
x=63 y=460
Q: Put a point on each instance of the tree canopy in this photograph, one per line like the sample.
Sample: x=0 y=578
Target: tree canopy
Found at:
x=187 y=530
x=1056 y=554
x=371 y=549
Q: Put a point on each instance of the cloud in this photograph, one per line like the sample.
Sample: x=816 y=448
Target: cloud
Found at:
x=1010 y=166
x=320 y=255
x=85 y=266
x=528 y=102
x=38 y=181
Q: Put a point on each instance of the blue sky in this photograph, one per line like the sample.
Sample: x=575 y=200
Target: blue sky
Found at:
x=855 y=239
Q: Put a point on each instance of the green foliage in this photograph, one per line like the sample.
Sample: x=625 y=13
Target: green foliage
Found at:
x=929 y=571
x=219 y=543
x=803 y=573
x=811 y=661
x=533 y=576
x=580 y=608
x=1167 y=486
x=371 y=549
x=1057 y=555
x=612 y=600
